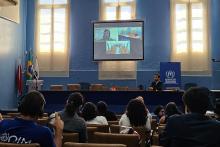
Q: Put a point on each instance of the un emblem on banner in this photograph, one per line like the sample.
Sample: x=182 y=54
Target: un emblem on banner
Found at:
x=170 y=74
x=170 y=77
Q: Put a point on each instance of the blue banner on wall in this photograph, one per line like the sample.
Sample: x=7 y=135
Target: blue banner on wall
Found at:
x=170 y=74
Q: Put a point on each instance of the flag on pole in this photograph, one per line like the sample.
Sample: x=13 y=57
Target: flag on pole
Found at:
x=29 y=71
x=36 y=69
x=19 y=80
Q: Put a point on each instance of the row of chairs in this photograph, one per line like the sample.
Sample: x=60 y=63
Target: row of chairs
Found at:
x=67 y=144
x=111 y=132
x=94 y=136
x=130 y=140
x=100 y=134
x=91 y=87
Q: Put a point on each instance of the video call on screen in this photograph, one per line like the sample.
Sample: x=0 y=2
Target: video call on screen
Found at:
x=118 y=40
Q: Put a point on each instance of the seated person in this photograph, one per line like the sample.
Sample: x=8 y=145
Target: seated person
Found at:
x=136 y=115
x=140 y=87
x=103 y=111
x=156 y=85
x=170 y=110
x=72 y=121
x=25 y=130
x=140 y=98
x=193 y=129
x=90 y=114
x=159 y=112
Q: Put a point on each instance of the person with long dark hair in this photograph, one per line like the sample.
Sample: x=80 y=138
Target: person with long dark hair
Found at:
x=136 y=115
x=159 y=111
x=72 y=122
x=170 y=110
x=90 y=114
x=103 y=111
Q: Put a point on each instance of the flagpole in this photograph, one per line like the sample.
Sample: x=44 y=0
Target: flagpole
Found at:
x=36 y=73
x=36 y=80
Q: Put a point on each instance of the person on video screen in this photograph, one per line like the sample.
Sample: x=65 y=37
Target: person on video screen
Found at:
x=107 y=35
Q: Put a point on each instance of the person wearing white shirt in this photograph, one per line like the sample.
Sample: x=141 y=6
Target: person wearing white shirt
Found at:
x=136 y=115
x=89 y=113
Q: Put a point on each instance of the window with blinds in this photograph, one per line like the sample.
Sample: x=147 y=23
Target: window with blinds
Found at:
x=52 y=38
x=189 y=29
x=117 y=10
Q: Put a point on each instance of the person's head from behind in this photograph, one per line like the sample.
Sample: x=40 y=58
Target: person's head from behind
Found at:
x=156 y=77
x=32 y=105
x=74 y=101
x=89 y=111
x=171 y=109
x=106 y=34
x=102 y=107
x=159 y=111
x=140 y=87
x=140 y=98
x=137 y=112
x=197 y=100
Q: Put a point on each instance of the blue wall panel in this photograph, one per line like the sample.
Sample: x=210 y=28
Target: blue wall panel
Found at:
x=156 y=15
x=12 y=46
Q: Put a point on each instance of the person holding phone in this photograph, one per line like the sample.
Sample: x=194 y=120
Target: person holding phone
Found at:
x=25 y=130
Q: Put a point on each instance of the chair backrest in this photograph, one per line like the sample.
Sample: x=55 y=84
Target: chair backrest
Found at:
x=56 y=87
x=45 y=114
x=18 y=145
x=42 y=121
x=145 y=135
x=73 y=87
x=113 y=122
x=70 y=137
x=121 y=88
x=114 y=128
x=156 y=134
x=100 y=128
x=84 y=86
x=70 y=144
x=7 y=117
x=118 y=116
x=161 y=129
x=96 y=87
x=14 y=114
x=155 y=139
x=154 y=125
x=131 y=140
x=90 y=132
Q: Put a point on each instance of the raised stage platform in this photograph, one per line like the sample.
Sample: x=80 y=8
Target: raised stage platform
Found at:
x=117 y=100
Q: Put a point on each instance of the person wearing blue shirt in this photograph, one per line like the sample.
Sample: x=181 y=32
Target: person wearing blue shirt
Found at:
x=193 y=129
x=25 y=130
